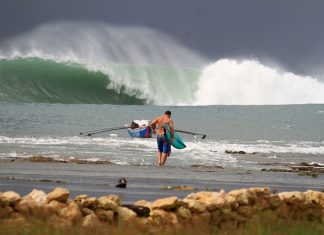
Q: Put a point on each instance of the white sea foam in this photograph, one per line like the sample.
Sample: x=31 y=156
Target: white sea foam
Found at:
x=248 y=82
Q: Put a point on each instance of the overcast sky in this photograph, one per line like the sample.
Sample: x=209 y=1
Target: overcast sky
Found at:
x=290 y=32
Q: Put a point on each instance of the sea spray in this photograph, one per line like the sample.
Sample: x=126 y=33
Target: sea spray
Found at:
x=248 y=82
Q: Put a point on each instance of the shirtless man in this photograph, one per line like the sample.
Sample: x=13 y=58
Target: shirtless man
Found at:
x=163 y=146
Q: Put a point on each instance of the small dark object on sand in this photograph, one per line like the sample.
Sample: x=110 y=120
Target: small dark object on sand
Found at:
x=121 y=183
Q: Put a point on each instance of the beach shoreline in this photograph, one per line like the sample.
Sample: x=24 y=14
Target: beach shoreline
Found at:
x=144 y=182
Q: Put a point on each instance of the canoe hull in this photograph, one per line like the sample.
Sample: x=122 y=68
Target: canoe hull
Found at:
x=142 y=132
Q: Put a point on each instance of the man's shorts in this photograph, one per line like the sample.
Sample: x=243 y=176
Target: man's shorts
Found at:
x=163 y=145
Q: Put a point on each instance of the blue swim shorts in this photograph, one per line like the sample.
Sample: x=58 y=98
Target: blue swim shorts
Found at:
x=163 y=145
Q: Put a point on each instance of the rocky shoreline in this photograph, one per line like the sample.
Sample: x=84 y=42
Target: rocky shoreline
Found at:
x=218 y=209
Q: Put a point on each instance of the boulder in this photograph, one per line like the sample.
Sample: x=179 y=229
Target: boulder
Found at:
x=107 y=203
x=86 y=211
x=5 y=211
x=9 y=198
x=55 y=206
x=183 y=213
x=162 y=217
x=91 y=202
x=274 y=200
x=125 y=214
x=27 y=206
x=243 y=196
x=201 y=219
x=141 y=211
x=105 y=215
x=315 y=197
x=71 y=212
x=91 y=221
x=38 y=196
x=58 y=194
x=230 y=202
x=215 y=217
x=195 y=206
x=165 y=203
x=113 y=198
x=260 y=191
x=143 y=203
x=292 y=197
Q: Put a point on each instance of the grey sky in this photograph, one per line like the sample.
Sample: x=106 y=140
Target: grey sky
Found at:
x=291 y=32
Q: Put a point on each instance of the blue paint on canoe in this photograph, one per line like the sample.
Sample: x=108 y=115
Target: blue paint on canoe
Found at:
x=142 y=132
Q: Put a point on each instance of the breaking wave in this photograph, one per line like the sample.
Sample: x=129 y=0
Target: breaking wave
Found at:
x=82 y=62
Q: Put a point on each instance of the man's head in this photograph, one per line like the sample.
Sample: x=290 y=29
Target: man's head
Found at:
x=168 y=113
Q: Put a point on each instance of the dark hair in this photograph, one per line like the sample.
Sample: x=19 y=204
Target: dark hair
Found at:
x=167 y=113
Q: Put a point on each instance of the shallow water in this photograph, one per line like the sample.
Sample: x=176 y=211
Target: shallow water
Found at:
x=285 y=134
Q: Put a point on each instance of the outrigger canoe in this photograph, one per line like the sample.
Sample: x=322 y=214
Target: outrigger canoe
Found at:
x=141 y=129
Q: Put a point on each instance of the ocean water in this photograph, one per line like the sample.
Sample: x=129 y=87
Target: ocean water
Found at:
x=289 y=133
x=103 y=76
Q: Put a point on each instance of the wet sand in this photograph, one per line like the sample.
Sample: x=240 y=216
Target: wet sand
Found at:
x=143 y=182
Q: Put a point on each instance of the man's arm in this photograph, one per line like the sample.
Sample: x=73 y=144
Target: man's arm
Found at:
x=172 y=130
x=153 y=124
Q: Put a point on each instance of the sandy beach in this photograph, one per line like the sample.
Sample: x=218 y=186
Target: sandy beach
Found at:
x=149 y=183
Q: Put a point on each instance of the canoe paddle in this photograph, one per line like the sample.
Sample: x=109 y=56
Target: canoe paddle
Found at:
x=89 y=133
x=192 y=133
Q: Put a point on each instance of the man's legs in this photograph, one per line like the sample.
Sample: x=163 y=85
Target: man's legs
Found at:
x=164 y=158
x=159 y=157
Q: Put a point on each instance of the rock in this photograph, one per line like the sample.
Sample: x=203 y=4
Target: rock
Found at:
x=141 y=211
x=14 y=223
x=167 y=203
x=274 y=200
x=243 y=196
x=246 y=211
x=105 y=215
x=183 y=213
x=315 y=197
x=91 y=221
x=201 y=219
x=234 y=152
x=178 y=187
x=212 y=200
x=125 y=214
x=143 y=203
x=9 y=198
x=292 y=197
x=89 y=203
x=161 y=217
x=261 y=191
x=59 y=223
x=86 y=211
x=113 y=198
x=230 y=202
x=107 y=203
x=78 y=198
x=71 y=212
x=27 y=206
x=5 y=211
x=38 y=196
x=195 y=206
x=55 y=206
x=215 y=217
x=58 y=194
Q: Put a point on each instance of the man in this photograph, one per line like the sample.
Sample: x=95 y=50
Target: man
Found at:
x=164 y=147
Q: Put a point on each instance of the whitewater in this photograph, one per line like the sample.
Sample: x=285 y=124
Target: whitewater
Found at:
x=89 y=62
